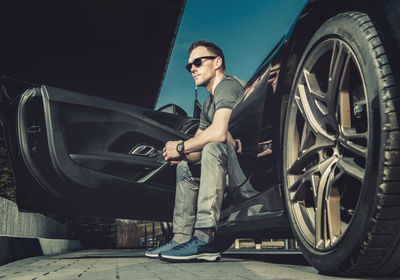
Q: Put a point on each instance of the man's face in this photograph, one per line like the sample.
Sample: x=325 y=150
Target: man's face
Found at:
x=206 y=71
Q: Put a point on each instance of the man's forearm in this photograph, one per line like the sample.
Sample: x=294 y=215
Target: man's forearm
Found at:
x=193 y=157
x=211 y=134
x=216 y=132
x=196 y=156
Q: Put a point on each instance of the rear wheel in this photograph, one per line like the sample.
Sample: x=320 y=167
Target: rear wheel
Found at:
x=341 y=155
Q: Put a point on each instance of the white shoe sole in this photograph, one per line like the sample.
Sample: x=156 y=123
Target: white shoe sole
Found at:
x=210 y=257
x=152 y=256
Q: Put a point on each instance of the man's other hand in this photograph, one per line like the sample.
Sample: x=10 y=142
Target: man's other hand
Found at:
x=264 y=148
x=170 y=153
x=238 y=146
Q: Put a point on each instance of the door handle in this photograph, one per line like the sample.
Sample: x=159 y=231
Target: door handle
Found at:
x=143 y=150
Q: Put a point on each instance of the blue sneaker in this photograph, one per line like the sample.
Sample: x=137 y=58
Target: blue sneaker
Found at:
x=193 y=250
x=166 y=247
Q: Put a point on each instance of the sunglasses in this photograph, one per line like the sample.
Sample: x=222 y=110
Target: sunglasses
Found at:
x=198 y=61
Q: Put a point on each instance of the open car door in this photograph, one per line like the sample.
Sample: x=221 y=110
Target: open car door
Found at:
x=92 y=156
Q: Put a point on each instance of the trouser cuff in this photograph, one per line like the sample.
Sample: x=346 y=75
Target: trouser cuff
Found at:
x=201 y=235
x=181 y=237
x=205 y=223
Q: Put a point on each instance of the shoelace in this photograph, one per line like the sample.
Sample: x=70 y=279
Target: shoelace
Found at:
x=169 y=243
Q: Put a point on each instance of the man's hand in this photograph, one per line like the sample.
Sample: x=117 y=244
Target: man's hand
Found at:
x=264 y=148
x=170 y=153
x=238 y=146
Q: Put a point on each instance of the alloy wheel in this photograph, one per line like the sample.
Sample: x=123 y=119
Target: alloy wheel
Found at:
x=327 y=143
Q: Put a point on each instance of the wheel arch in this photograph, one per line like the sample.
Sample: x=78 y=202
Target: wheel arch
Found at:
x=316 y=13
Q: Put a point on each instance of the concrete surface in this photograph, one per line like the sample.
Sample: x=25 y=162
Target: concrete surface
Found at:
x=15 y=248
x=25 y=235
x=52 y=247
x=21 y=224
x=131 y=264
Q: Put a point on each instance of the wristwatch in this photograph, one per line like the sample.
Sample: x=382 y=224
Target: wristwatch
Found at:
x=180 y=148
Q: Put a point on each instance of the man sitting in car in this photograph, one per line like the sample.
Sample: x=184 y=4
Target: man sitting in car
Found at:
x=198 y=200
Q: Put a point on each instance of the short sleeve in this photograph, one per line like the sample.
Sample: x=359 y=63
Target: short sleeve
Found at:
x=227 y=93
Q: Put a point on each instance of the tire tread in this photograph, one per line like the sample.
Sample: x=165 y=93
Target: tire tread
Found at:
x=380 y=251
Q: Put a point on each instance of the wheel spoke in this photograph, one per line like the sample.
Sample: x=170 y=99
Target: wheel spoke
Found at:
x=306 y=154
x=355 y=148
x=308 y=108
x=309 y=178
x=313 y=90
x=305 y=110
x=345 y=102
x=321 y=211
x=319 y=223
x=302 y=185
x=338 y=67
x=351 y=134
x=348 y=166
x=313 y=86
x=306 y=137
x=333 y=213
x=349 y=138
x=339 y=59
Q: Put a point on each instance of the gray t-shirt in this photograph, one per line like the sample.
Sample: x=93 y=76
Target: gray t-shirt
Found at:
x=226 y=94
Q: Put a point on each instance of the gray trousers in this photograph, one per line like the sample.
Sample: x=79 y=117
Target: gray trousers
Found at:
x=198 y=200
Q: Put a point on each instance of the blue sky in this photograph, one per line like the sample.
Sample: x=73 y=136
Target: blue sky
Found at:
x=246 y=31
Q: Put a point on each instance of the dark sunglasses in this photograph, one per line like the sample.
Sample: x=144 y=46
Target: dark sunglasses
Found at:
x=198 y=61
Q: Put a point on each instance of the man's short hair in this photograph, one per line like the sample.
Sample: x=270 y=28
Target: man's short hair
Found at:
x=213 y=48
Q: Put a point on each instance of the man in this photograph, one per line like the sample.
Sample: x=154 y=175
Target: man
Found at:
x=198 y=201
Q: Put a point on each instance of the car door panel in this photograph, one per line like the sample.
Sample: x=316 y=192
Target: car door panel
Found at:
x=99 y=153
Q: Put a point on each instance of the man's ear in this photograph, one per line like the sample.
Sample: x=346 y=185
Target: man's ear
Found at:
x=217 y=62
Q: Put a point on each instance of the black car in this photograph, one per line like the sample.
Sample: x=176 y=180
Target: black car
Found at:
x=327 y=96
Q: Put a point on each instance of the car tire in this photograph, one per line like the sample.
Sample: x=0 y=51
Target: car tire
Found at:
x=341 y=151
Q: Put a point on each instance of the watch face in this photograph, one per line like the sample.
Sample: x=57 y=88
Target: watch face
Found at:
x=180 y=147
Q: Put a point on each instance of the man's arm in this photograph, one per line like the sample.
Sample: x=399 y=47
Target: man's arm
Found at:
x=216 y=132
x=194 y=156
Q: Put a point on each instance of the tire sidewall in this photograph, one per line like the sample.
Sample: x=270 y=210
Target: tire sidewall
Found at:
x=339 y=258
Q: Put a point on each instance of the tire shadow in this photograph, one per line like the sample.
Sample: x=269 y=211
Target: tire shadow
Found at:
x=293 y=259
